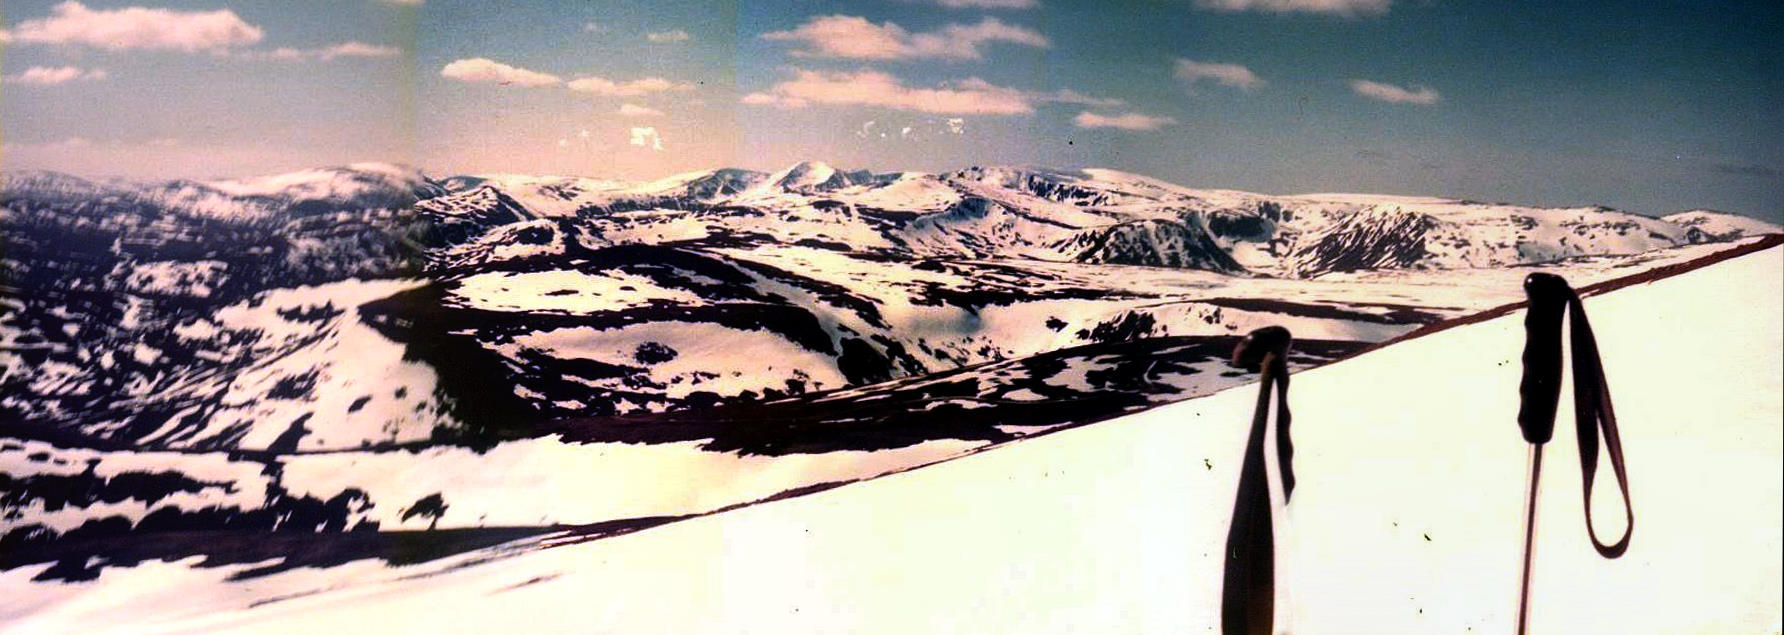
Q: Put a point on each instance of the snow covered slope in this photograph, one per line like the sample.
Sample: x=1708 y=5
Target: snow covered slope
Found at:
x=1704 y=225
x=191 y=314
x=1406 y=518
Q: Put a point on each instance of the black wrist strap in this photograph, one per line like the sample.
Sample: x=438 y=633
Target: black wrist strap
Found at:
x=1550 y=296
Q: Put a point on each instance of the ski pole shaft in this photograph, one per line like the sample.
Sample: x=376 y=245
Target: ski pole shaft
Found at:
x=1529 y=537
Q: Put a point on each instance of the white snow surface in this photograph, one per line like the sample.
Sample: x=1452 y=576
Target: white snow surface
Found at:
x=564 y=291
x=708 y=356
x=1407 y=517
x=545 y=481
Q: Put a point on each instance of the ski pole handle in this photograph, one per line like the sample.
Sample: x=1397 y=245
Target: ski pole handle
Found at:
x=1540 y=388
x=1259 y=343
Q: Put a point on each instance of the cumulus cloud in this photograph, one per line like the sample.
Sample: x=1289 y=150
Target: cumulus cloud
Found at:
x=854 y=37
x=1395 y=94
x=594 y=27
x=488 y=71
x=971 y=96
x=50 y=76
x=1335 y=7
x=327 y=53
x=635 y=88
x=1232 y=75
x=647 y=137
x=138 y=28
x=1123 y=121
x=634 y=110
x=666 y=37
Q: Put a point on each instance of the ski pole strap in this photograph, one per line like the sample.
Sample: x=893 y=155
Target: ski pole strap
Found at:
x=1248 y=595
x=1540 y=391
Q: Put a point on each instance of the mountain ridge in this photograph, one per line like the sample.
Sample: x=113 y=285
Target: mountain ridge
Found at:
x=17 y=179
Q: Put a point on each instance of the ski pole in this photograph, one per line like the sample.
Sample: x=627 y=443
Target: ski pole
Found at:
x=1248 y=590
x=1539 y=394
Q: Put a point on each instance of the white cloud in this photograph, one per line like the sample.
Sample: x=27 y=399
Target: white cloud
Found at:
x=1124 y=121
x=853 y=37
x=48 y=76
x=982 y=4
x=647 y=137
x=635 y=88
x=327 y=53
x=138 y=28
x=484 y=70
x=634 y=110
x=1336 y=7
x=1232 y=75
x=359 y=49
x=594 y=27
x=1395 y=94
x=666 y=37
x=970 y=96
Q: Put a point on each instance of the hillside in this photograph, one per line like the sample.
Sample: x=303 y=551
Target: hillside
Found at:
x=366 y=348
x=1117 y=525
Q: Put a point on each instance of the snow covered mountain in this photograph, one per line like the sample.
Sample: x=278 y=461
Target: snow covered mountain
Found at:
x=355 y=187
x=1152 y=243
x=1708 y=226
x=322 y=334
x=1120 y=218
x=810 y=176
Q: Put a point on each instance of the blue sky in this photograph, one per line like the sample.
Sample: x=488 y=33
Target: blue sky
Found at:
x=1649 y=106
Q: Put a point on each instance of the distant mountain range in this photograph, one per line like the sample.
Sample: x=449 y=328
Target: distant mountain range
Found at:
x=1093 y=216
